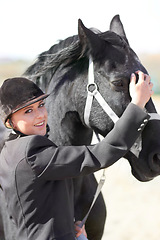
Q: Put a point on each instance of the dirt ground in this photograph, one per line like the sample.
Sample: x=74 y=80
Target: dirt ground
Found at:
x=133 y=207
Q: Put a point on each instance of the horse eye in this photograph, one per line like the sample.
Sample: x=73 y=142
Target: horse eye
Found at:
x=118 y=83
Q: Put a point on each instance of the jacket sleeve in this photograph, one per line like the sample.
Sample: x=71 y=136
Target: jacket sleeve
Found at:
x=55 y=163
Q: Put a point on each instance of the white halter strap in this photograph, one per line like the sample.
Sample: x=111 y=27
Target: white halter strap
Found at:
x=95 y=93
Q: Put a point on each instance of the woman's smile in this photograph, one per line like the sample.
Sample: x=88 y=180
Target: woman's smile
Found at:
x=41 y=124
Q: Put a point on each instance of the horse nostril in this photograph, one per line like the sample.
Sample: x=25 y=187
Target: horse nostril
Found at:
x=156 y=159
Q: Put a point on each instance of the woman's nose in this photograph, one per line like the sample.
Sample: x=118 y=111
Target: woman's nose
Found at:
x=39 y=113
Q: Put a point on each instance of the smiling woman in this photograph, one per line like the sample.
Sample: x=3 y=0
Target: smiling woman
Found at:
x=31 y=120
x=26 y=111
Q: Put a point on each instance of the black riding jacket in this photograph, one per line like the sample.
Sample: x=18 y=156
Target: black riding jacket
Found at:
x=36 y=176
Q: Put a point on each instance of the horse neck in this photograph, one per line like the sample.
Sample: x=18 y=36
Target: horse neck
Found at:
x=69 y=130
x=66 y=128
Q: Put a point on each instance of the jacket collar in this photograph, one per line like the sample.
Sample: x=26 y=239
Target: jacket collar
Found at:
x=15 y=134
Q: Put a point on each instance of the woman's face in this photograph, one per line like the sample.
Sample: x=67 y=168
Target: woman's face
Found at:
x=31 y=120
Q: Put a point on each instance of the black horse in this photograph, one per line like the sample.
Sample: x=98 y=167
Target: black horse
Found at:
x=63 y=72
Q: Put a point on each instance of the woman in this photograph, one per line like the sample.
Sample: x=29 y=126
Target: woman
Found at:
x=36 y=175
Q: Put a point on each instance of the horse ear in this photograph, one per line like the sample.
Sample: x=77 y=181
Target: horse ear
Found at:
x=89 y=39
x=117 y=27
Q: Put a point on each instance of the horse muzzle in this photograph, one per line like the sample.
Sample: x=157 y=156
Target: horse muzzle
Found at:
x=145 y=164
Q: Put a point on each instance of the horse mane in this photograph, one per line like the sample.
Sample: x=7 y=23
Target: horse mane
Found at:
x=66 y=53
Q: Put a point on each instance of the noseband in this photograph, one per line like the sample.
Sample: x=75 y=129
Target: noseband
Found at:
x=95 y=93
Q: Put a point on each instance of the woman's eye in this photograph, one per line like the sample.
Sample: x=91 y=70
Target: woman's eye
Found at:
x=28 y=111
x=42 y=104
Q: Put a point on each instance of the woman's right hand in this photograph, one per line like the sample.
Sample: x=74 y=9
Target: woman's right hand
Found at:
x=141 y=91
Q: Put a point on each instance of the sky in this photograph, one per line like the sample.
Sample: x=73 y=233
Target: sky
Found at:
x=29 y=27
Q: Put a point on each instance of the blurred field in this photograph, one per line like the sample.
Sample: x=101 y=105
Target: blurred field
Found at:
x=133 y=207
x=10 y=68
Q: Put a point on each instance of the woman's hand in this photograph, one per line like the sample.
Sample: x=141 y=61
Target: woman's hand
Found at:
x=79 y=230
x=141 y=91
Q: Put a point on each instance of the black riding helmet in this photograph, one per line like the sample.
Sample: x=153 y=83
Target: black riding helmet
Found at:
x=17 y=93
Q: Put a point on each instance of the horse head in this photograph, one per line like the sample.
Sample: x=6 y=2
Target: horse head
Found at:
x=117 y=61
x=114 y=61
